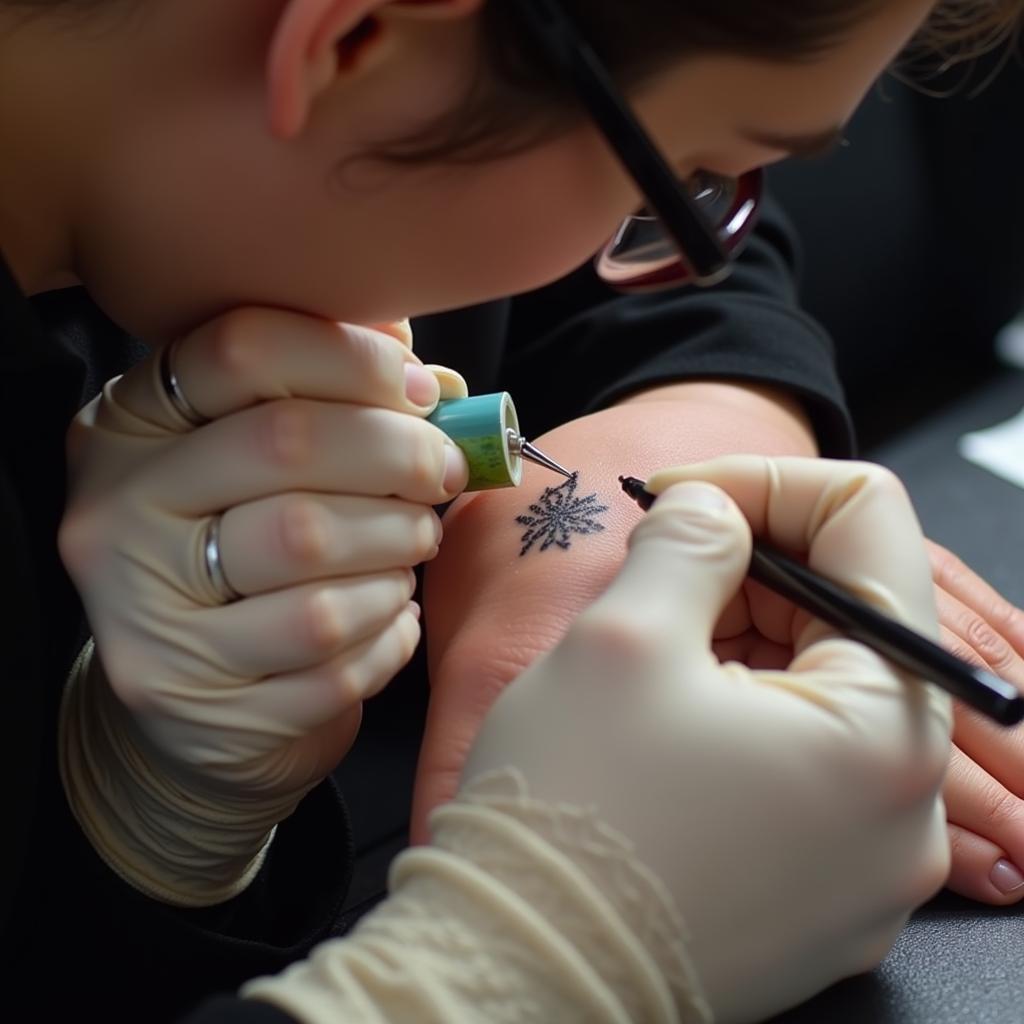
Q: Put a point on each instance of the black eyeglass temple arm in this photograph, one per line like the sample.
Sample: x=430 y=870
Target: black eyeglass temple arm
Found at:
x=696 y=238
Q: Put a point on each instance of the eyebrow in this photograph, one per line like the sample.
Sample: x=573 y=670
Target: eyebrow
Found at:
x=810 y=145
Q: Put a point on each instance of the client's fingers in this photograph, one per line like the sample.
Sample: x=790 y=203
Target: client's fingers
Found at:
x=1002 y=624
x=981 y=871
x=990 y=856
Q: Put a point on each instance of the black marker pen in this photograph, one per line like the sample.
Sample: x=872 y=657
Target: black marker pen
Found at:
x=987 y=693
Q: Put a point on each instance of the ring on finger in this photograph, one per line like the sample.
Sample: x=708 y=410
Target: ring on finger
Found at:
x=172 y=388
x=214 y=564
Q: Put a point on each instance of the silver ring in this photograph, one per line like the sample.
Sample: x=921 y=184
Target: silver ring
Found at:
x=172 y=388
x=214 y=565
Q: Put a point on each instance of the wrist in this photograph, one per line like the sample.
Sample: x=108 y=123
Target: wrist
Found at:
x=519 y=911
x=166 y=840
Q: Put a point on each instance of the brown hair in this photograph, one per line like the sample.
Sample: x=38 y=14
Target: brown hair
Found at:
x=516 y=97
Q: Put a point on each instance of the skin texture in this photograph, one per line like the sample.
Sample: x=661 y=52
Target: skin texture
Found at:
x=509 y=609
x=246 y=186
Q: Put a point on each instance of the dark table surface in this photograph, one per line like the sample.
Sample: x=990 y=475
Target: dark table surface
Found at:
x=956 y=962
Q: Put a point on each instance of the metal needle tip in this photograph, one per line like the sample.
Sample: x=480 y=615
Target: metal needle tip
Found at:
x=521 y=447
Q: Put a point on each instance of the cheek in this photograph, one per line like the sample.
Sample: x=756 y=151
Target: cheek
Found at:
x=518 y=225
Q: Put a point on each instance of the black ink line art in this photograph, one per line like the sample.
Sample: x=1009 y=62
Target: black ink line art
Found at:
x=558 y=514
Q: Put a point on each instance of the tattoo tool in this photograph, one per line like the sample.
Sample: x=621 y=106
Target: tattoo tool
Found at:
x=826 y=600
x=486 y=428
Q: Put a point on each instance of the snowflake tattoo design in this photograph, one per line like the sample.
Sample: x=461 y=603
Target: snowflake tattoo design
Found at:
x=558 y=514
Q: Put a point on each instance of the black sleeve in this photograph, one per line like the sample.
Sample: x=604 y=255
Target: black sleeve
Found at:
x=239 y=1011
x=577 y=347
x=77 y=941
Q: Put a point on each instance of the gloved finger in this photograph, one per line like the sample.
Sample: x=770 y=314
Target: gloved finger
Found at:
x=852 y=519
x=308 y=536
x=257 y=355
x=293 y=629
x=973 y=637
x=299 y=445
x=981 y=870
x=451 y=382
x=293 y=703
x=686 y=560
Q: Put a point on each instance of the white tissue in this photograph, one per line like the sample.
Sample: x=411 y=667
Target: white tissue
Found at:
x=999 y=449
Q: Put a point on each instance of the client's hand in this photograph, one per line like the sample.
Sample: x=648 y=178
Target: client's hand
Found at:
x=644 y=831
x=248 y=583
x=985 y=786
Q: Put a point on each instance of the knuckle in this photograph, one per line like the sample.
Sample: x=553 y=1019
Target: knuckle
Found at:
x=304 y=530
x=883 y=479
x=286 y=434
x=346 y=682
x=233 y=343
x=1000 y=809
x=325 y=620
x=995 y=651
x=424 y=458
x=959 y=648
x=377 y=363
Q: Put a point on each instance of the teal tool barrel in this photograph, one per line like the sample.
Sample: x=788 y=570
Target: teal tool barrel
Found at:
x=481 y=425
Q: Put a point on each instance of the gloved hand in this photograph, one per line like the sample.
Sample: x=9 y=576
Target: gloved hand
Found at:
x=645 y=834
x=198 y=725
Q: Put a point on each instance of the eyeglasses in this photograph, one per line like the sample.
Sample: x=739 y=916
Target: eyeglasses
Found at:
x=689 y=231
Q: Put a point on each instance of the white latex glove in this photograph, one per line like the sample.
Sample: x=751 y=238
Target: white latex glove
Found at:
x=649 y=835
x=200 y=725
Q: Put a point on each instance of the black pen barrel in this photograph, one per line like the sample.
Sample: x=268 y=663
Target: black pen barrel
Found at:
x=904 y=647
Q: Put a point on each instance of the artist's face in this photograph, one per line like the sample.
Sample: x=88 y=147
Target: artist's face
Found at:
x=200 y=208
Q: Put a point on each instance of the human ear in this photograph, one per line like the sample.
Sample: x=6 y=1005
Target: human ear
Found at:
x=316 y=40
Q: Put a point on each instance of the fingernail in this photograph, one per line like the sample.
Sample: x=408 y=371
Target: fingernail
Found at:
x=414 y=609
x=456 y=472
x=1006 y=877
x=421 y=387
x=452 y=383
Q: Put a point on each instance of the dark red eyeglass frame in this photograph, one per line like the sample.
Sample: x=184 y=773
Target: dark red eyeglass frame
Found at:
x=705 y=250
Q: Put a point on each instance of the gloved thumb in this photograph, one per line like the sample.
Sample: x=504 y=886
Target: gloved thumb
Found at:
x=687 y=559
